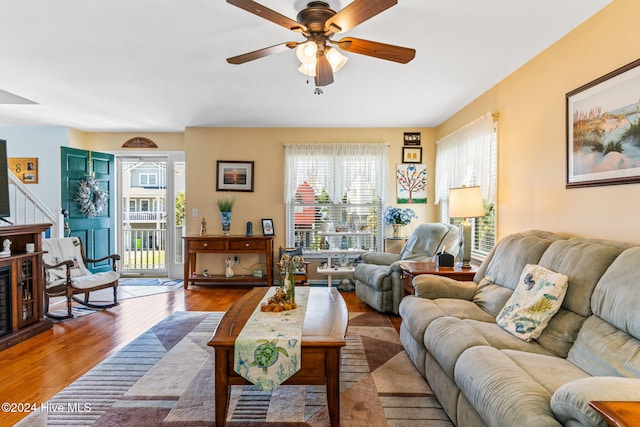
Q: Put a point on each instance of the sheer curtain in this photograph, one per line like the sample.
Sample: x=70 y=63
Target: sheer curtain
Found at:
x=464 y=157
x=335 y=167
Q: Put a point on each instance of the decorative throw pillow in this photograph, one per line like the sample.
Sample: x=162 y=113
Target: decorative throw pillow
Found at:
x=537 y=298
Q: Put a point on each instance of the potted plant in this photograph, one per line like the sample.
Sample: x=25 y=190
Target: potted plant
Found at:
x=225 y=206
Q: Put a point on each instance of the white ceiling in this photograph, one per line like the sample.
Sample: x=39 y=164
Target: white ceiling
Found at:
x=159 y=65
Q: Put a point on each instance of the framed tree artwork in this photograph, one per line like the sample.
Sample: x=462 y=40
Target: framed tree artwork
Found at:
x=411 y=183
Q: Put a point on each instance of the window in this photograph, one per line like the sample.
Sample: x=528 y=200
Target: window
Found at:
x=148 y=180
x=468 y=157
x=334 y=195
x=144 y=206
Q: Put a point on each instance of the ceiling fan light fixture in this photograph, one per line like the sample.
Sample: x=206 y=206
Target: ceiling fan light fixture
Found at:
x=306 y=52
x=308 y=69
x=336 y=59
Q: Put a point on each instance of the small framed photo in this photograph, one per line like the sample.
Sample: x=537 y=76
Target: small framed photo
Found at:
x=412 y=138
x=267 y=227
x=234 y=175
x=411 y=154
x=25 y=168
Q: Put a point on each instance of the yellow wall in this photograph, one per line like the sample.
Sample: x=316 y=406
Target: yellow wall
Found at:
x=113 y=141
x=265 y=146
x=532 y=140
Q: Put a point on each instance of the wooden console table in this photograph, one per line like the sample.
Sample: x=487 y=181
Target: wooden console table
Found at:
x=196 y=244
x=22 y=285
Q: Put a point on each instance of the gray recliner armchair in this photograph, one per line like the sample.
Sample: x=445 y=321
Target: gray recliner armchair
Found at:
x=378 y=277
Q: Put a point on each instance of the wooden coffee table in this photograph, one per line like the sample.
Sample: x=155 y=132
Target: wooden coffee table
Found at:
x=411 y=269
x=323 y=336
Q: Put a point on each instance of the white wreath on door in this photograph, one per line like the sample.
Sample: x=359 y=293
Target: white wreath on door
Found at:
x=91 y=198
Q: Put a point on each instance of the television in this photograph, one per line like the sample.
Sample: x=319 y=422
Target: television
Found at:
x=5 y=206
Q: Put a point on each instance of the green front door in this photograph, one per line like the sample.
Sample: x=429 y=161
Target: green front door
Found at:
x=90 y=209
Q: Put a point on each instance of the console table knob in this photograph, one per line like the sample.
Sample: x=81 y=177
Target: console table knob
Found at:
x=206 y=244
x=246 y=244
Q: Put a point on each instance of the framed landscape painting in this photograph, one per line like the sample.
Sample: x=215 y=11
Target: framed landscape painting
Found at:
x=234 y=176
x=603 y=130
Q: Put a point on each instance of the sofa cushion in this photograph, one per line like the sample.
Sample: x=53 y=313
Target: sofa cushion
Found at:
x=537 y=298
x=602 y=349
x=504 y=266
x=447 y=338
x=616 y=298
x=584 y=261
x=418 y=313
x=500 y=391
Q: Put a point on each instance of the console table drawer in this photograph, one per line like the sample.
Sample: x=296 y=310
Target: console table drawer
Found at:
x=207 y=245
x=247 y=245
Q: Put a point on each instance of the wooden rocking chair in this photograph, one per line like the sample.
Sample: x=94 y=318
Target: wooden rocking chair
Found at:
x=66 y=275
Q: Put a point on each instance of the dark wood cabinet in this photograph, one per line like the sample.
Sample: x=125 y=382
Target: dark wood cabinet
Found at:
x=196 y=244
x=22 y=285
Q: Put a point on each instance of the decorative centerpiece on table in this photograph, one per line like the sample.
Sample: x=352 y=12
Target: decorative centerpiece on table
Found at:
x=225 y=205
x=398 y=218
x=285 y=295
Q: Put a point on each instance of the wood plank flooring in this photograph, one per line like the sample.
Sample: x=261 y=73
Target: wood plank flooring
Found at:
x=35 y=370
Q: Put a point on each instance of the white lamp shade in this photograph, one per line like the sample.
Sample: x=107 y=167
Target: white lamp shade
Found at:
x=465 y=202
x=336 y=59
x=306 y=52
x=308 y=69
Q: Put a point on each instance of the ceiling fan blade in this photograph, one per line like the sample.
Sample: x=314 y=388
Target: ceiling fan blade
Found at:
x=261 y=53
x=324 y=73
x=268 y=14
x=377 y=50
x=356 y=13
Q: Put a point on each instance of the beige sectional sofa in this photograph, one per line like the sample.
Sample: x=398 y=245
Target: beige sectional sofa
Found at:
x=484 y=375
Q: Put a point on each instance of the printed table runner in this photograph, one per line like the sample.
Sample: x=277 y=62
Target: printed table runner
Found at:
x=267 y=350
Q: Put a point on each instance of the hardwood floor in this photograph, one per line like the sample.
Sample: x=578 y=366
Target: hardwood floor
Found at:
x=35 y=370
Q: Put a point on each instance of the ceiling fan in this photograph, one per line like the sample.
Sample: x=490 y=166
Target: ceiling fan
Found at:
x=318 y=23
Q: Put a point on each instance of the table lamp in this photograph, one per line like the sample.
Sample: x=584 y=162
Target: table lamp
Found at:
x=465 y=202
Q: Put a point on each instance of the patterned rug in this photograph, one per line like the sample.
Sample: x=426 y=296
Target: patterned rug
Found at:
x=165 y=378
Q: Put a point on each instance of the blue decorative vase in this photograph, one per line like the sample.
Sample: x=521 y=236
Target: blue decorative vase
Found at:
x=226 y=222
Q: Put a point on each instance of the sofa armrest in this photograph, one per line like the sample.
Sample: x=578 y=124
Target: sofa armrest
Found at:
x=431 y=286
x=571 y=401
x=380 y=258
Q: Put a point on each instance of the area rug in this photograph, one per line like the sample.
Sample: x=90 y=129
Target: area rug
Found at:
x=165 y=378
x=148 y=281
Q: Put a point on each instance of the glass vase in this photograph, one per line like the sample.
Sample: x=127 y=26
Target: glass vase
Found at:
x=397 y=231
x=226 y=222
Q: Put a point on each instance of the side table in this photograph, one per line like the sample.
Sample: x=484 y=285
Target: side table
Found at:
x=412 y=269
x=618 y=414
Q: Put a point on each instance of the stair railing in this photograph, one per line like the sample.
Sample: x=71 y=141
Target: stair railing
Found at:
x=27 y=208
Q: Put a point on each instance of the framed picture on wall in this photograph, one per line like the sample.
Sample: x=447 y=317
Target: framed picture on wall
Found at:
x=25 y=168
x=603 y=130
x=234 y=175
x=411 y=154
x=412 y=138
x=411 y=183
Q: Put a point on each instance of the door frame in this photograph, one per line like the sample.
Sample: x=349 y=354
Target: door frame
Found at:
x=175 y=270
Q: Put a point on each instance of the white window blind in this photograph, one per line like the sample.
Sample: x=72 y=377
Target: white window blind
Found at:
x=338 y=188
x=468 y=157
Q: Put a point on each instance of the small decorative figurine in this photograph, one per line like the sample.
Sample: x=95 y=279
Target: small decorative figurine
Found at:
x=203 y=227
x=6 y=248
x=228 y=271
